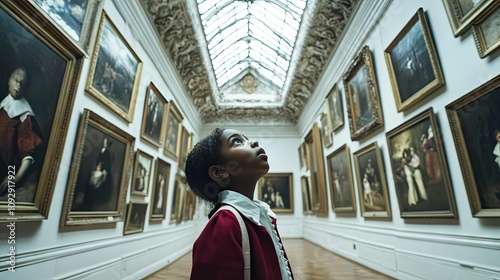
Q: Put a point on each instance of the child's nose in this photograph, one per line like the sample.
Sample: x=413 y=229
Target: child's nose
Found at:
x=254 y=143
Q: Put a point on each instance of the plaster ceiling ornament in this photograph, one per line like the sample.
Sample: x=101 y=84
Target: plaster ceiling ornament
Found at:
x=257 y=101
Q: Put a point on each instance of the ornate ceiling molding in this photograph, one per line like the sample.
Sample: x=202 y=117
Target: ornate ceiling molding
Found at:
x=175 y=29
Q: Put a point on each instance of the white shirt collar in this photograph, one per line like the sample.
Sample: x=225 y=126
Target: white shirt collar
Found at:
x=16 y=107
x=251 y=209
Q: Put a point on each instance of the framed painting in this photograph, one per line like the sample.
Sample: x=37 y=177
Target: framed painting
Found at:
x=39 y=77
x=372 y=185
x=177 y=200
x=364 y=111
x=485 y=31
x=154 y=116
x=99 y=174
x=341 y=183
x=301 y=158
x=334 y=109
x=326 y=133
x=315 y=162
x=186 y=143
x=75 y=18
x=189 y=206
x=413 y=63
x=160 y=191
x=115 y=70
x=143 y=168
x=174 y=131
x=475 y=126
x=306 y=195
x=136 y=217
x=276 y=189
x=420 y=170
x=463 y=13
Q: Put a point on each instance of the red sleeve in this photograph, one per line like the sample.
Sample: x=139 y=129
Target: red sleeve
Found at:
x=217 y=253
x=27 y=140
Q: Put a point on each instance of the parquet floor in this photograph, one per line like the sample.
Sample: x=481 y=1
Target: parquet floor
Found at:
x=308 y=262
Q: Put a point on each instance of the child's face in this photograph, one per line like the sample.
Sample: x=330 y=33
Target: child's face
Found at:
x=242 y=156
x=17 y=83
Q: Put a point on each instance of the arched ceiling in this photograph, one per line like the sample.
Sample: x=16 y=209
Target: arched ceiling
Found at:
x=241 y=62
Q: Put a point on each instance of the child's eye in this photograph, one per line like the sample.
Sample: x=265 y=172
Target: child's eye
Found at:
x=236 y=141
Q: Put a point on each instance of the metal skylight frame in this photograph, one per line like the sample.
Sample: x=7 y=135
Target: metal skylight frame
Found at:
x=251 y=34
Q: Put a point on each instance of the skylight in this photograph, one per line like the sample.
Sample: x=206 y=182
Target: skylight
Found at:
x=244 y=35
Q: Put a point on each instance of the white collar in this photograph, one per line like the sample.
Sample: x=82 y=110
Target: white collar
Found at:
x=16 y=107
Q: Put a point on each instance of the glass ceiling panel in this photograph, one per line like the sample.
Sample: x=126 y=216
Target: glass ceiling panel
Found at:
x=256 y=34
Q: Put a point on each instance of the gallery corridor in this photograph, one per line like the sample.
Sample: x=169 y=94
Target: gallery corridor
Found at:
x=308 y=261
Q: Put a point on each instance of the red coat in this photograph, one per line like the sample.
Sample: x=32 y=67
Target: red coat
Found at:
x=218 y=254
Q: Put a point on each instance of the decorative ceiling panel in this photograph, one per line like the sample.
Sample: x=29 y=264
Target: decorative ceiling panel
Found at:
x=175 y=29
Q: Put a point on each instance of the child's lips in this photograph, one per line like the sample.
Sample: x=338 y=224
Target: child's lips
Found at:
x=262 y=154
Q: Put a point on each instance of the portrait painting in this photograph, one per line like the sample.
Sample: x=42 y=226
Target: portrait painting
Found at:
x=38 y=81
x=413 y=63
x=306 y=195
x=174 y=130
x=326 y=133
x=487 y=32
x=115 y=71
x=177 y=200
x=186 y=143
x=334 y=109
x=315 y=162
x=136 y=217
x=463 y=13
x=420 y=170
x=99 y=173
x=154 y=116
x=364 y=111
x=75 y=17
x=372 y=185
x=341 y=183
x=276 y=189
x=160 y=191
x=143 y=167
x=475 y=126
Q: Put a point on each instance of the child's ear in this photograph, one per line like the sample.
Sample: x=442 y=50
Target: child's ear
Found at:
x=218 y=173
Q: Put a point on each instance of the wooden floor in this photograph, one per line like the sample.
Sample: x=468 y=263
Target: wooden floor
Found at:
x=308 y=262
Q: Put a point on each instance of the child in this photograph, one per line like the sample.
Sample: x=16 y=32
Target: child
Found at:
x=223 y=168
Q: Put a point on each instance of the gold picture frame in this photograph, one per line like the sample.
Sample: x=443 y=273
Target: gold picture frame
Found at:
x=316 y=166
x=373 y=193
x=364 y=110
x=143 y=169
x=96 y=192
x=53 y=63
x=478 y=150
x=341 y=181
x=115 y=71
x=306 y=195
x=172 y=141
x=154 y=116
x=419 y=168
x=413 y=63
x=485 y=31
x=334 y=109
x=462 y=15
x=276 y=189
x=186 y=145
x=159 y=194
x=135 y=218
x=326 y=133
x=177 y=200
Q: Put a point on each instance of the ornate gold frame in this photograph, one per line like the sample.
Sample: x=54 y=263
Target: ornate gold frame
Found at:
x=478 y=32
x=342 y=151
x=334 y=93
x=289 y=177
x=134 y=176
x=315 y=161
x=461 y=22
x=152 y=89
x=325 y=131
x=130 y=207
x=173 y=112
x=160 y=217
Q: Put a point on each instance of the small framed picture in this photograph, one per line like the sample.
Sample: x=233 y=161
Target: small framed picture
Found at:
x=136 y=217
x=160 y=191
x=485 y=31
x=99 y=174
x=174 y=131
x=413 y=63
x=115 y=71
x=372 y=185
x=475 y=126
x=334 y=109
x=143 y=168
x=364 y=111
x=177 y=200
x=325 y=131
x=186 y=144
x=341 y=183
x=420 y=170
x=154 y=117
x=276 y=189
x=306 y=195
x=463 y=13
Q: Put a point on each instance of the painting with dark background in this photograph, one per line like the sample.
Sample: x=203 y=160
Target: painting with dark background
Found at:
x=361 y=101
x=160 y=189
x=45 y=69
x=340 y=179
x=275 y=191
x=371 y=182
